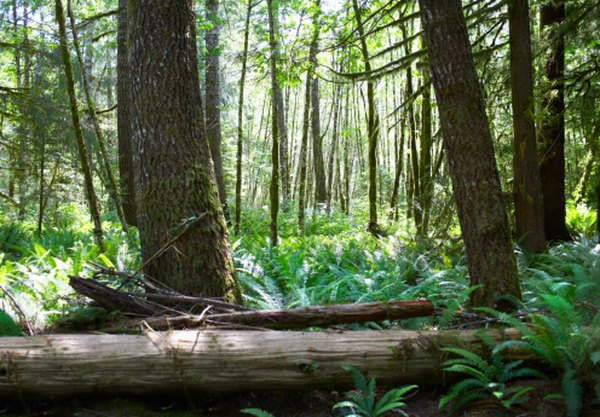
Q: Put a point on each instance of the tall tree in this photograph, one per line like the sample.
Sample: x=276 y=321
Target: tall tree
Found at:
x=127 y=187
x=529 y=210
x=84 y=157
x=277 y=118
x=552 y=130
x=469 y=149
x=372 y=123
x=240 y=120
x=318 y=160
x=303 y=151
x=184 y=238
x=213 y=98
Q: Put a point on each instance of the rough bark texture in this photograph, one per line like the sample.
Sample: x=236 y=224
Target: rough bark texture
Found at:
x=276 y=114
x=372 y=124
x=240 y=127
x=552 y=131
x=127 y=187
x=205 y=362
x=529 y=210
x=174 y=178
x=425 y=180
x=302 y=156
x=470 y=153
x=84 y=158
x=213 y=99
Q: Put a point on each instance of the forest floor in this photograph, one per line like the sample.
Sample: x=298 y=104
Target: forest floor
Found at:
x=296 y=404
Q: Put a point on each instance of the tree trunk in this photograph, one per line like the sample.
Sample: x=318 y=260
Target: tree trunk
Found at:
x=213 y=100
x=84 y=158
x=529 y=210
x=372 y=125
x=126 y=174
x=552 y=131
x=277 y=113
x=176 y=192
x=240 y=127
x=110 y=182
x=318 y=162
x=303 y=152
x=469 y=149
x=425 y=180
x=208 y=362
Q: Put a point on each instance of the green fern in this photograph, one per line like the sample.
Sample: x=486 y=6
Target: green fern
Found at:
x=256 y=412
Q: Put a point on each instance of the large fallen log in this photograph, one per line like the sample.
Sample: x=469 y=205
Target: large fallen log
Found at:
x=295 y=318
x=206 y=362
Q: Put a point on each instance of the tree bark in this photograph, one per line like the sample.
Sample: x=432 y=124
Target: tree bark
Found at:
x=552 y=130
x=276 y=114
x=469 y=149
x=174 y=178
x=208 y=362
x=372 y=125
x=126 y=174
x=213 y=99
x=529 y=208
x=302 y=158
x=240 y=127
x=84 y=158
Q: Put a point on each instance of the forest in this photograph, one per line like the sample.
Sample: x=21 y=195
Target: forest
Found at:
x=311 y=208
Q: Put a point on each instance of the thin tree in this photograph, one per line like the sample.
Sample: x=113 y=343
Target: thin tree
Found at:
x=124 y=133
x=469 y=149
x=240 y=120
x=183 y=235
x=303 y=151
x=372 y=124
x=84 y=158
x=213 y=99
x=529 y=211
x=111 y=183
x=552 y=130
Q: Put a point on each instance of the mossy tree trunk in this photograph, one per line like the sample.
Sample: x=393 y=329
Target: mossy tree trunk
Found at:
x=177 y=199
x=470 y=153
x=84 y=157
x=552 y=131
x=318 y=161
x=529 y=210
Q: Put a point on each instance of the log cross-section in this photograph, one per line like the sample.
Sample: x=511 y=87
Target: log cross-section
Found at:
x=206 y=362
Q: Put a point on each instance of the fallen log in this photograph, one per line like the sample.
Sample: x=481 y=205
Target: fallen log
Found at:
x=206 y=362
x=296 y=318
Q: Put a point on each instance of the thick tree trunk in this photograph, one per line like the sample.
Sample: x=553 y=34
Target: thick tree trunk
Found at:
x=552 y=131
x=109 y=178
x=84 y=158
x=213 y=99
x=176 y=192
x=277 y=114
x=126 y=174
x=529 y=210
x=240 y=127
x=469 y=149
x=372 y=125
x=207 y=362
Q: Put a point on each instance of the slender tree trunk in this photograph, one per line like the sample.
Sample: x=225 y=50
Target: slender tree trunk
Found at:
x=240 y=128
x=425 y=183
x=126 y=174
x=84 y=158
x=372 y=125
x=213 y=100
x=184 y=238
x=277 y=113
x=552 y=131
x=318 y=162
x=469 y=149
x=303 y=151
x=529 y=210
x=333 y=157
x=111 y=183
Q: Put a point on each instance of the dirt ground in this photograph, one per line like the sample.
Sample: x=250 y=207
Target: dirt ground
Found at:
x=298 y=404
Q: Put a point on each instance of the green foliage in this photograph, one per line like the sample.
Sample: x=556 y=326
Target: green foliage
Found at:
x=8 y=327
x=362 y=402
x=256 y=412
x=488 y=379
x=581 y=219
